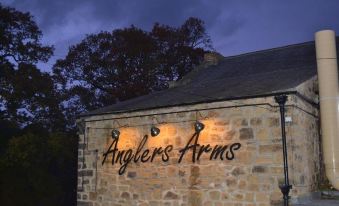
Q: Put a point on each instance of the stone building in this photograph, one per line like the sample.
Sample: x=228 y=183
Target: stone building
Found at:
x=238 y=157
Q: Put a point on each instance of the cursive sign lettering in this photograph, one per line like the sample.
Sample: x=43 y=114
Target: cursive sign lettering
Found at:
x=125 y=157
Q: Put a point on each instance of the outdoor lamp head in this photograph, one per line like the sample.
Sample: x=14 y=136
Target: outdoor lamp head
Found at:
x=115 y=133
x=155 y=131
x=198 y=126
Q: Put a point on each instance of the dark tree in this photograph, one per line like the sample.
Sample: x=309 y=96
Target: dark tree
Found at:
x=179 y=50
x=20 y=38
x=38 y=150
x=106 y=67
x=26 y=94
x=36 y=170
x=37 y=158
x=125 y=63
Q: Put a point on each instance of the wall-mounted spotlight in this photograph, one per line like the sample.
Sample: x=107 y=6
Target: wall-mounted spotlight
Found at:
x=198 y=126
x=115 y=133
x=155 y=131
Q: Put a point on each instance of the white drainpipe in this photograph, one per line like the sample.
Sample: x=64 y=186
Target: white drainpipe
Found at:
x=328 y=94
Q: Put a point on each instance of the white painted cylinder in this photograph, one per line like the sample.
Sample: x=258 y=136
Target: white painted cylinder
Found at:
x=327 y=67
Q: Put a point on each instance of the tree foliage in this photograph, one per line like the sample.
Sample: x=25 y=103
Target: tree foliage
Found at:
x=113 y=66
x=26 y=93
x=102 y=64
x=37 y=157
x=28 y=96
x=38 y=145
x=20 y=38
x=37 y=169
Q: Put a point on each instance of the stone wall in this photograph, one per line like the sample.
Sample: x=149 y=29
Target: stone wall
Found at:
x=252 y=178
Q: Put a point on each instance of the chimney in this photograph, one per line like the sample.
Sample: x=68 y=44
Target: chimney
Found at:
x=212 y=58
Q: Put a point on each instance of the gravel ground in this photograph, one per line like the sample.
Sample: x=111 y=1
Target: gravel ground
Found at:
x=320 y=203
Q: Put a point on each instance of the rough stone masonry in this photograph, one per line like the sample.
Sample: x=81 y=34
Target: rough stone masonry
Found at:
x=252 y=178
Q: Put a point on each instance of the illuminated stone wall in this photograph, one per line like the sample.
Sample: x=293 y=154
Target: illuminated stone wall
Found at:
x=251 y=178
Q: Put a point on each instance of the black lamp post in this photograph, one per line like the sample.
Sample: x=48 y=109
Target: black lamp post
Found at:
x=285 y=188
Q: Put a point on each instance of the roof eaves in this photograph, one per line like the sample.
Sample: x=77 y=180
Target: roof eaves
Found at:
x=285 y=92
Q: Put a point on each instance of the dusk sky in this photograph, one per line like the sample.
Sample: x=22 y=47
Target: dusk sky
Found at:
x=235 y=26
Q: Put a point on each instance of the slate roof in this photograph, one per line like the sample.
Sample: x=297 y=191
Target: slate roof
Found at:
x=252 y=74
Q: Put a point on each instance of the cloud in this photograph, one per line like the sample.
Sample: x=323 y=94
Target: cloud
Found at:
x=65 y=22
x=106 y=14
x=234 y=26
